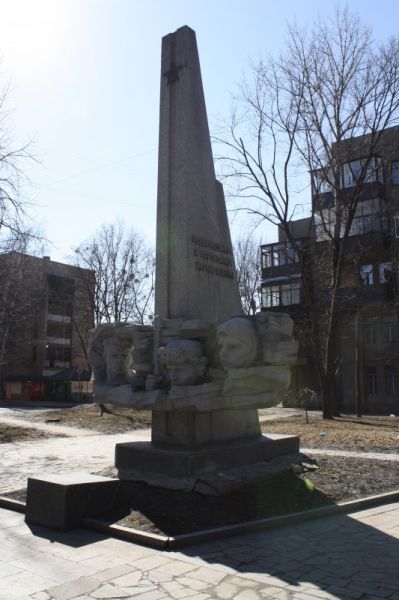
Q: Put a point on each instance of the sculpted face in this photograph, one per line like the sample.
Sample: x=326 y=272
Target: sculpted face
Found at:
x=238 y=343
x=118 y=357
x=183 y=362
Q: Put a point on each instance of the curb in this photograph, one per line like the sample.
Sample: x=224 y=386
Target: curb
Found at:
x=11 y=504
x=164 y=542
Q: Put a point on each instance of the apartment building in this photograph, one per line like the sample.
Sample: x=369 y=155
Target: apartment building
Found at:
x=367 y=348
x=45 y=316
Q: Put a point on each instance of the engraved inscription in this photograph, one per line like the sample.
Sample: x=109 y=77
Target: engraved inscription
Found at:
x=212 y=257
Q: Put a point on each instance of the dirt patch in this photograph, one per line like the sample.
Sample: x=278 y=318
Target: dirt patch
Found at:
x=170 y=512
x=336 y=480
x=345 y=433
x=349 y=433
x=11 y=433
x=88 y=416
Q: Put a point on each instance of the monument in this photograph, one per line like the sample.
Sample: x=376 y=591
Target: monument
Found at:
x=204 y=368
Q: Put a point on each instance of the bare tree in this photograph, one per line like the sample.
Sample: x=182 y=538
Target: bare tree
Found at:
x=19 y=302
x=330 y=92
x=247 y=259
x=124 y=269
x=13 y=209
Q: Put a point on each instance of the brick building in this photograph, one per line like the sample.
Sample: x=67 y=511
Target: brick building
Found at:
x=45 y=316
x=367 y=349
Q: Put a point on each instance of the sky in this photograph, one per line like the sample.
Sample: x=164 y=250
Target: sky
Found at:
x=83 y=79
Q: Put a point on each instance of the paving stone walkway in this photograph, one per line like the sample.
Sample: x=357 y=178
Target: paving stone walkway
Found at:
x=340 y=557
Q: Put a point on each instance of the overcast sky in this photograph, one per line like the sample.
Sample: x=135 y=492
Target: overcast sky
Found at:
x=84 y=86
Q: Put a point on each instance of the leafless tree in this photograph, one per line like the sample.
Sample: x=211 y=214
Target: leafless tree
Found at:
x=331 y=91
x=18 y=306
x=124 y=268
x=14 y=219
x=247 y=259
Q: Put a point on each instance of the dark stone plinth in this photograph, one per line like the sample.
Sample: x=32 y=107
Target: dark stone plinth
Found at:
x=196 y=428
x=62 y=501
x=178 y=468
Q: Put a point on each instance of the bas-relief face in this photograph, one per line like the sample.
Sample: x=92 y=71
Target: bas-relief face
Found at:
x=238 y=343
x=118 y=357
x=183 y=362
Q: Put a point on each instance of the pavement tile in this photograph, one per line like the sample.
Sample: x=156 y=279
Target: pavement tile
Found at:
x=200 y=596
x=149 y=562
x=177 y=567
x=22 y=585
x=248 y=594
x=127 y=579
x=175 y=590
x=225 y=590
x=305 y=596
x=8 y=569
x=241 y=581
x=103 y=562
x=342 y=592
x=194 y=584
x=207 y=574
x=75 y=588
x=109 y=591
x=58 y=569
x=157 y=576
x=152 y=595
x=141 y=589
x=113 y=572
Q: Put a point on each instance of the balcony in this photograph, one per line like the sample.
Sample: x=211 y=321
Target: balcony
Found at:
x=279 y=262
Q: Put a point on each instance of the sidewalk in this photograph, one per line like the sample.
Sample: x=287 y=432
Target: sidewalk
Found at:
x=339 y=557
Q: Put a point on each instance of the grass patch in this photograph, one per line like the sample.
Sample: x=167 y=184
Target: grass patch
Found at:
x=348 y=433
x=88 y=416
x=11 y=433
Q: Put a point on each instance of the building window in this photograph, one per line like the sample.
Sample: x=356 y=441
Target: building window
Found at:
x=385 y=272
x=354 y=170
x=390 y=381
x=395 y=172
x=271 y=296
x=58 y=357
x=281 y=295
x=290 y=294
x=366 y=274
x=322 y=181
x=278 y=256
x=369 y=333
x=396 y=225
x=372 y=381
x=388 y=331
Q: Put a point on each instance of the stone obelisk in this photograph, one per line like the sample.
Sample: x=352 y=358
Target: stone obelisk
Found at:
x=195 y=273
x=195 y=291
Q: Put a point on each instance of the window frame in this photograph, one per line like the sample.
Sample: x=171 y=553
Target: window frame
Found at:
x=367 y=277
x=372 y=378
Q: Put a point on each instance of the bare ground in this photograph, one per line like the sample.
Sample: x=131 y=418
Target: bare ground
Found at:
x=325 y=480
x=88 y=416
x=368 y=433
x=10 y=433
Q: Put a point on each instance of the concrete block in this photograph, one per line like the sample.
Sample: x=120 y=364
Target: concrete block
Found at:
x=144 y=461
x=62 y=501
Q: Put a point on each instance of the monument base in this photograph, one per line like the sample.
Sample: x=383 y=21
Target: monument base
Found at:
x=185 y=468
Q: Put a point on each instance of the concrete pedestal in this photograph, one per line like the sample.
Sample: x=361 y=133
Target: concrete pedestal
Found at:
x=62 y=501
x=178 y=467
x=196 y=428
